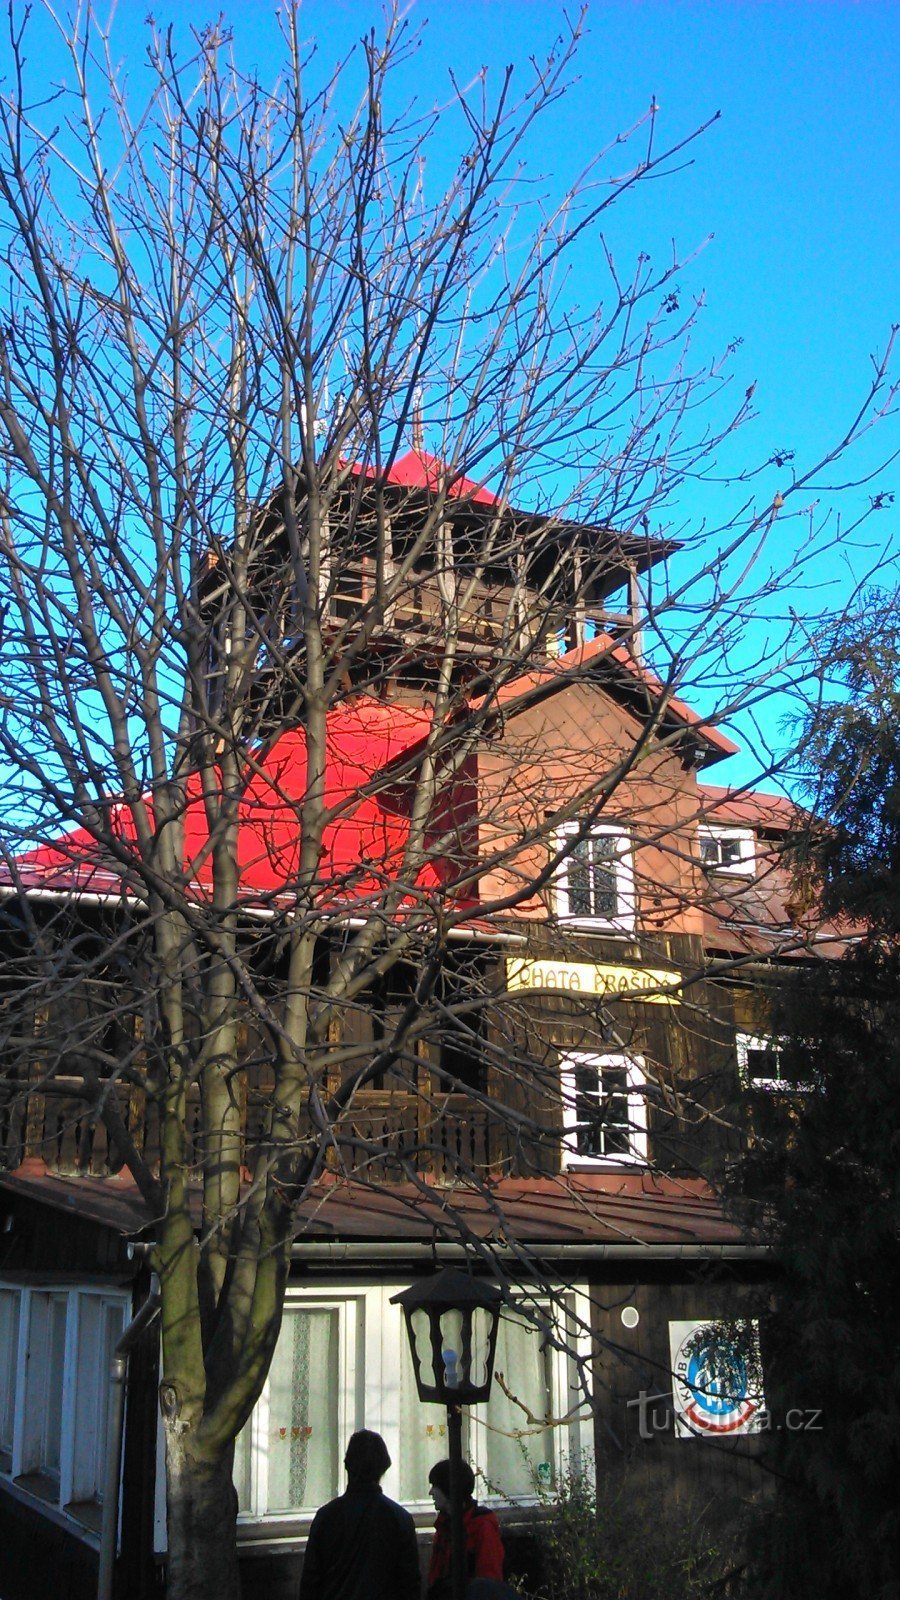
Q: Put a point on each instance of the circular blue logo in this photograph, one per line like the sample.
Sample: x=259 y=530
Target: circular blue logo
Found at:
x=716 y=1377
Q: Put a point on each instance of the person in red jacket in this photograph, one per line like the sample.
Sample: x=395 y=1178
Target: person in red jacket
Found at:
x=484 y=1546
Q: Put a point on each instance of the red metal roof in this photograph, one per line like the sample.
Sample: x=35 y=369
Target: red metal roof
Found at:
x=633 y=1209
x=628 y=1210
x=419 y=470
x=364 y=841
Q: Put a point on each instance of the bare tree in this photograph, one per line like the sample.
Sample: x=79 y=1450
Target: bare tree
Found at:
x=253 y=660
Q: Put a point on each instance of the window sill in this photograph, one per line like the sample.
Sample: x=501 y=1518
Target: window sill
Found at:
x=89 y=1513
x=277 y=1524
x=604 y=1163
x=40 y=1485
x=30 y=1490
x=777 y=1086
x=620 y=929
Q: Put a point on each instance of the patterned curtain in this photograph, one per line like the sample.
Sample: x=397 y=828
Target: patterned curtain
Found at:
x=301 y=1448
x=303 y=1412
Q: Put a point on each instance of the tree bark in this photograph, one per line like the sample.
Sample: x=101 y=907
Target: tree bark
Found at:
x=201 y=1517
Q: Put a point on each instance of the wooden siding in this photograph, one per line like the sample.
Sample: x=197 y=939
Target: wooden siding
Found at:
x=552 y=754
x=686 y=1474
x=510 y=1049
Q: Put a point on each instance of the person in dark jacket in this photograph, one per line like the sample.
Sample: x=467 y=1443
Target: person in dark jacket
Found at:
x=481 y=1530
x=362 y=1546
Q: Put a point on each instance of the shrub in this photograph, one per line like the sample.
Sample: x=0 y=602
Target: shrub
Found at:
x=610 y=1543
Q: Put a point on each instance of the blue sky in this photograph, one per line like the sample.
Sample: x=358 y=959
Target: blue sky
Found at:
x=798 y=183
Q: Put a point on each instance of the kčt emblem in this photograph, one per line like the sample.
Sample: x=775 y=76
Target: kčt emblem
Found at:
x=716 y=1378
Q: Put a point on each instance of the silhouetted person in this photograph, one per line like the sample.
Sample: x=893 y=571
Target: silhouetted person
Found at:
x=481 y=1530
x=362 y=1546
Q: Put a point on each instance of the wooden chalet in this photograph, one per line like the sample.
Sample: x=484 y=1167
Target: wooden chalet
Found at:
x=629 y=979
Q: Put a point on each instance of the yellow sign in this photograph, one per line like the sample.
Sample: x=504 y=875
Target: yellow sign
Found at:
x=587 y=977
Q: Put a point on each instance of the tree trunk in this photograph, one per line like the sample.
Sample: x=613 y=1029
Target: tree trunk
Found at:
x=201 y=1514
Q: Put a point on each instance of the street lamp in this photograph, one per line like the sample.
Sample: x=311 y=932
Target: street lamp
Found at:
x=452 y=1322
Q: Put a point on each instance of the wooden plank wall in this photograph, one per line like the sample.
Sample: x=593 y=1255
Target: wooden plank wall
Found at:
x=688 y=1474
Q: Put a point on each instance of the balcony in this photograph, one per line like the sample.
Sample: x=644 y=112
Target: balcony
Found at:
x=488 y=615
x=384 y=1137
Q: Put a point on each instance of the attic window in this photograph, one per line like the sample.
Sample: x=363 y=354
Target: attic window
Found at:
x=595 y=883
x=728 y=850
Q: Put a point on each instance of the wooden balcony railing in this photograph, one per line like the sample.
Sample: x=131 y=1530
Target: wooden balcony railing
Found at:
x=383 y=1136
x=487 y=614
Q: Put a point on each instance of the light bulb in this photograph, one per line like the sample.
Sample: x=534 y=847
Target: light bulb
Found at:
x=451 y=1368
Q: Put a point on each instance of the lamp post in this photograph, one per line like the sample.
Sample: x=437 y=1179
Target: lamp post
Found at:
x=452 y=1322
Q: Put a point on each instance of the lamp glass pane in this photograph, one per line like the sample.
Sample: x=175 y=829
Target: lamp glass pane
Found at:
x=481 y=1333
x=452 y=1348
x=420 y=1323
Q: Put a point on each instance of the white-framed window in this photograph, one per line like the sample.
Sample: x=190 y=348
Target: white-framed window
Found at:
x=343 y=1362
x=729 y=850
x=45 y=1375
x=9 y=1359
x=288 y=1458
x=56 y=1347
x=761 y=1064
x=604 y=1108
x=595 y=881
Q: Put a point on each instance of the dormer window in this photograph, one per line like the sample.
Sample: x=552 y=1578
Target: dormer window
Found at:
x=595 y=883
x=727 y=850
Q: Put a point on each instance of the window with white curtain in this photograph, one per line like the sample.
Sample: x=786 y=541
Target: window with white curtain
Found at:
x=511 y=1442
x=518 y=1448
x=288 y=1457
x=343 y=1362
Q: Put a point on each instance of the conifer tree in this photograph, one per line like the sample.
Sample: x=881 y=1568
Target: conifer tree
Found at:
x=828 y=1166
